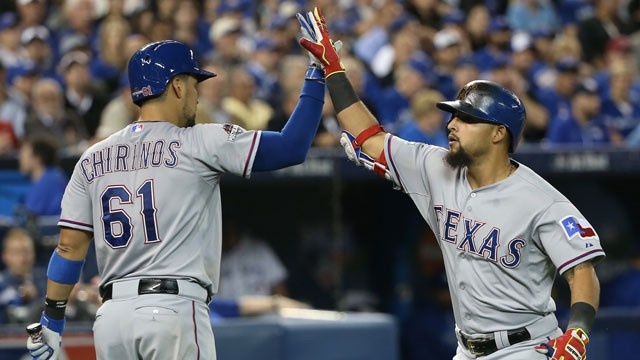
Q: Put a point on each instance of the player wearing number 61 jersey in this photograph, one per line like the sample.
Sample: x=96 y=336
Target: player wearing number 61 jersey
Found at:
x=149 y=195
x=504 y=231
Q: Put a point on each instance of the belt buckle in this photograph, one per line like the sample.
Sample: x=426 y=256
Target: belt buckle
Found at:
x=473 y=349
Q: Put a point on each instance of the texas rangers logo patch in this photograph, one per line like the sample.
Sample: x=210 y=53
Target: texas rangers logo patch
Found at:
x=573 y=226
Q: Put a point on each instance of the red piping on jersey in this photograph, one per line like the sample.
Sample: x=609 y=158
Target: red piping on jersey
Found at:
x=76 y=223
x=195 y=326
x=246 y=163
x=578 y=258
x=395 y=169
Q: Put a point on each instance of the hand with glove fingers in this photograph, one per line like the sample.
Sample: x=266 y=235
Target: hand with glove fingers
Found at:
x=45 y=342
x=569 y=346
x=318 y=42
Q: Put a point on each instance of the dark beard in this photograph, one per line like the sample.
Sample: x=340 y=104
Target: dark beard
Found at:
x=458 y=159
x=191 y=121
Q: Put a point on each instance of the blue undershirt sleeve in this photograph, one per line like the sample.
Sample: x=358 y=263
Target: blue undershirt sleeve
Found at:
x=290 y=146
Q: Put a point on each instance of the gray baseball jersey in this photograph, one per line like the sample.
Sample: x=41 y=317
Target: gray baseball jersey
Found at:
x=150 y=194
x=502 y=244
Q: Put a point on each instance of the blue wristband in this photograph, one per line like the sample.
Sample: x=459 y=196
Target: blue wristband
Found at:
x=314 y=73
x=64 y=271
x=52 y=324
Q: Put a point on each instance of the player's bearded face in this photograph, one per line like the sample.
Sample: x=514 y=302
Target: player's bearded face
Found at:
x=458 y=158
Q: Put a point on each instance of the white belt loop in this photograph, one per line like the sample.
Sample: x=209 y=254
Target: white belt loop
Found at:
x=125 y=289
x=502 y=339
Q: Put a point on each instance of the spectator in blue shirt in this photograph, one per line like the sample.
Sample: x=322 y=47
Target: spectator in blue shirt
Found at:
x=620 y=110
x=583 y=124
x=557 y=98
x=427 y=125
x=22 y=285
x=532 y=16
x=39 y=161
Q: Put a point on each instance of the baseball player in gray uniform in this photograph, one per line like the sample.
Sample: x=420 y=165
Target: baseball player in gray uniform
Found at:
x=503 y=230
x=149 y=196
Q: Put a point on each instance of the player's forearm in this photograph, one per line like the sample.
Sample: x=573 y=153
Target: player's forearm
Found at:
x=585 y=295
x=57 y=291
x=352 y=114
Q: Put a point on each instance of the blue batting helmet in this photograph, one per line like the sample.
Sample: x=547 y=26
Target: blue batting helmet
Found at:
x=490 y=102
x=155 y=64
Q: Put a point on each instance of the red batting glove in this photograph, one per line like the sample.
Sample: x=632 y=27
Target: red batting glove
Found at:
x=569 y=346
x=322 y=48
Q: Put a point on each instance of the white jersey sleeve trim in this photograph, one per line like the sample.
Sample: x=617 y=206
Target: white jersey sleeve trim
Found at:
x=580 y=259
x=75 y=225
x=253 y=149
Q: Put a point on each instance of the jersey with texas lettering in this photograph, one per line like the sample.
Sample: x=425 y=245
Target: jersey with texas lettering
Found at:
x=502 y=243
x=150 y=194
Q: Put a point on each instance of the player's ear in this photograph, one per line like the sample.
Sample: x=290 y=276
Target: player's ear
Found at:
x=500 y=133
x=177 y=86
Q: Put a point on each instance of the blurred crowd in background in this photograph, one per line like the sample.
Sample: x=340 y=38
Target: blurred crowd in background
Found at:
x=574 y=63
x=63 y=87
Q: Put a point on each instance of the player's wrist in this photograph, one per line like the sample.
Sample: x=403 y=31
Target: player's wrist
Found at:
x=581 y=316
x=52 y=324
x=314 y=73
x=341 y=91
x=55 y=309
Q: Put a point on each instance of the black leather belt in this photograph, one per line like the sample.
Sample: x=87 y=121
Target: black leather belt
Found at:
x=484 y=347
x=145 y=286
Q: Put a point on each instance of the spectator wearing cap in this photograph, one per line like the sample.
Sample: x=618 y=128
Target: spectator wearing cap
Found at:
x=506 y=73
x=583 y=124
x=427 y=124
x=497 y=45
x=595 y=32
x=556 y=99
x=525 y=60
x=49 y=115
x=532 y=16
x=621 y=107
x=38 y=44
x=263 y=67
x=225 y=35
x=11 y=51
x=83 y=95
x=447 y=45
x=20 y=80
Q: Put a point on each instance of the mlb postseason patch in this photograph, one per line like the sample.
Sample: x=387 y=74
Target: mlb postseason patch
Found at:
x=232 y=131
x=573 y=226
